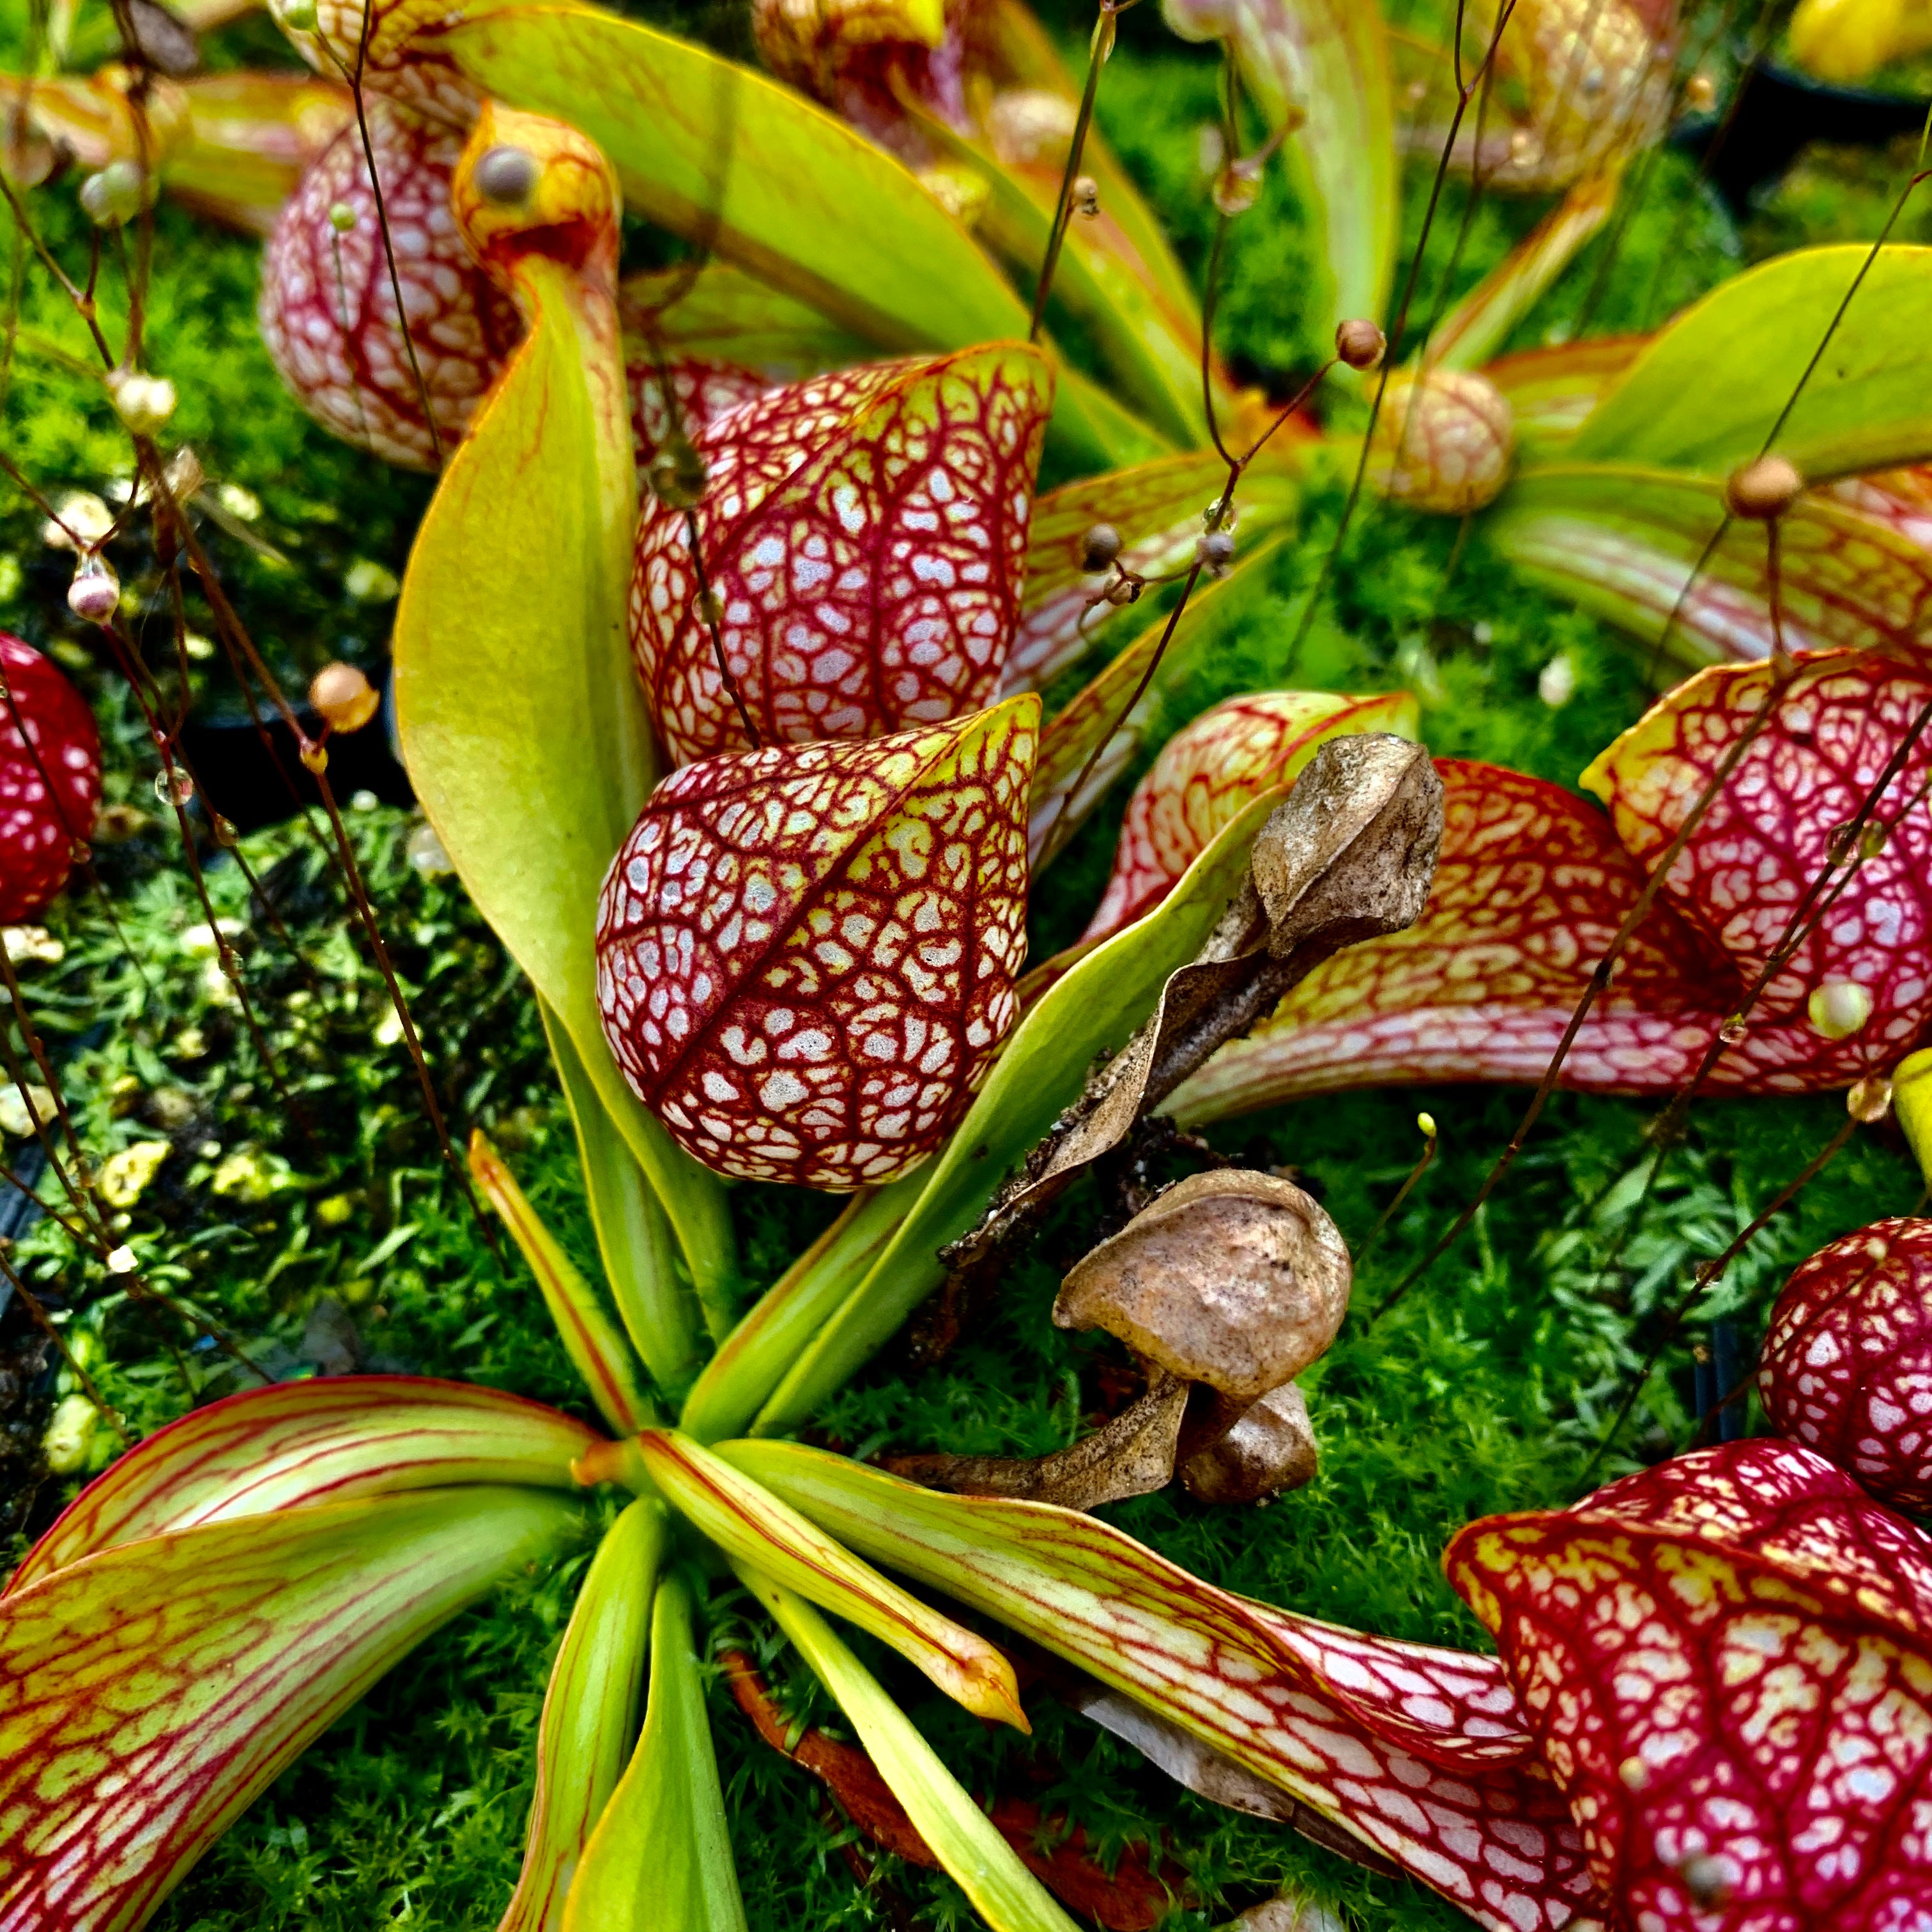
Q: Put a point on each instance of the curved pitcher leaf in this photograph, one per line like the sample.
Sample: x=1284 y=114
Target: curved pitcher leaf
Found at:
x=1712 y=386
x=1551 y=392
x=1479 y=325
x=1096 y=1007
x=295 y=1443
x=150 y=1693
x=521 y=722
x=770 y=182
x=590 y=1714
x=597 y=1348
x=1321 y=69
x=965 y=1841
x=660 y=1860
x=1633 y=545
x=754 y=1527
x=1334 y=1719
x=1723 y=1660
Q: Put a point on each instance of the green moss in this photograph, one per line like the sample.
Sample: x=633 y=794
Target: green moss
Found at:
x=1488 y=1389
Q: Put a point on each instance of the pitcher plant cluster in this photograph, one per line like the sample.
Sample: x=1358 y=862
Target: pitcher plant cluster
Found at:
x=719 y=673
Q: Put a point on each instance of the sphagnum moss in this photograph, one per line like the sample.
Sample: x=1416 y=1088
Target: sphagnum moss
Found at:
x=1484 y=1393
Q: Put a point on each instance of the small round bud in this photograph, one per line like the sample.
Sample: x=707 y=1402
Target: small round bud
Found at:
x=298 y=16
x=1085 y=197
x=1237 y=186
x=1425 y=1126
x=1763 y=491
x=1700 y=91
x=425 y=852
x=94 y=594
x=143 y=403
x=676 y=475
x=1216 y=549
x=1839 y=1009
x=507 y=175
x=314 y=757
x=710 y=607
x=342 y=217
x=1360 y=344
x=342 y=698
x=1098 y=548
x=113 y=195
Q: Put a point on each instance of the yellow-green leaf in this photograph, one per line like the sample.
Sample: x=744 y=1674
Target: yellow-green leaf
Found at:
x=660 y=1860
x=960 y=1835
x=150 y=1693
x=1712 y=387
x=590 y=1714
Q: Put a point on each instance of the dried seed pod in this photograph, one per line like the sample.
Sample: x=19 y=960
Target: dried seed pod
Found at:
x=49 y=779
x=1234 y=1279
x=342 y=698
x=1209 y=770
x=328 y=310
x=805 y=954
x=1268 y=1447
x=1764 y=490
x=866 y=533
x=1085 y=195
x=1846 y=1366
x=1444 y=441
x=1360 y=344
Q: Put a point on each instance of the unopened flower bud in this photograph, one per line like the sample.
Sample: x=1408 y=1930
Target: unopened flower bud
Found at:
x=1098 y=548
x=342 y=217
x=1839 y=1009
x=298 y=16
x=113 y=195
x=143 y=403
x=94 y=594
x=507 y=175
x=1763 y=491
x=1700 y=91
x=710 y=607
x=1237 y=186
x=314 y=757
x=1216 y=549
x=342 y=698
x=1086 y=195
x=676 y=475
x=1360 y=344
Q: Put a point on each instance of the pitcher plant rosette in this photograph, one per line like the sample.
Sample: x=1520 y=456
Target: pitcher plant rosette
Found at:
x=749 y=681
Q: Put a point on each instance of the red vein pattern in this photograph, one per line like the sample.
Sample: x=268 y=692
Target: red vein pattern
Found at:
x=857 y=56
x=1207 y=771
x=1494 y=1838
x=149 y=1694
x=1770 y=832
x=1847 y=1368
x=395 y=66
x=703 y=390
x=864 y=534
x=1723 y=1660
x=335 y=337
x=805 y=955
x=296 y=1444
x=1533 y=884
x=49 y=778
